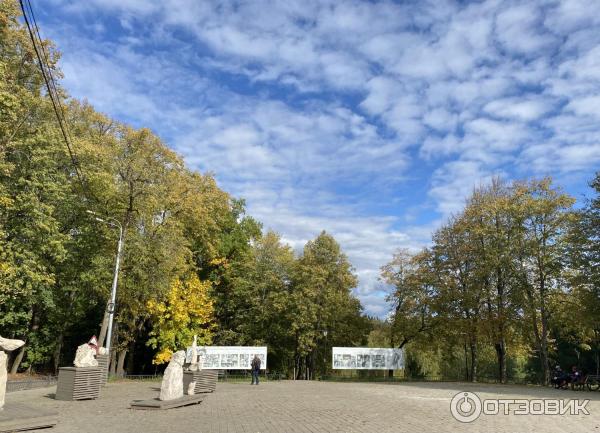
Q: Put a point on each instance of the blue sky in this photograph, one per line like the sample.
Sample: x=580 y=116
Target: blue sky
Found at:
x=371 y=120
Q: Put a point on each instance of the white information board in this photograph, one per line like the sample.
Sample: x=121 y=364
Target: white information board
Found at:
x=228 y=357
x=367 y=358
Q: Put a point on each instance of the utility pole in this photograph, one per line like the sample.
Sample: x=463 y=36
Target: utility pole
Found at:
x=110 y=308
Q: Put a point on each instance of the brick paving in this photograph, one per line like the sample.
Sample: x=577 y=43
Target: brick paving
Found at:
x=310 y=407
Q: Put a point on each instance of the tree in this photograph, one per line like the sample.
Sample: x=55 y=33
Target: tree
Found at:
x=264 y=314
x=583 y=251
x=461 y=286
x=547 y=212
x=412 y=296
x=495 y=224
x=34 y=184
x=186 y=311
x=323 y=310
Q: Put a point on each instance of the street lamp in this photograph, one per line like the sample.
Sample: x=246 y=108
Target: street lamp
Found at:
x=113 y=293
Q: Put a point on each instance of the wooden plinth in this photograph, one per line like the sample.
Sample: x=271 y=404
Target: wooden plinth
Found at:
x=156 y=404
x=20 y=417
x=206 y=380
x=78 y=383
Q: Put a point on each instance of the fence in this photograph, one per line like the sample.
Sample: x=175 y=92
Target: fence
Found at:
x=224 y=376
x=33 y=383
x=480 y=379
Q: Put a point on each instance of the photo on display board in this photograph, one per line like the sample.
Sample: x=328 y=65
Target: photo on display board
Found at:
x=378 y=361
x=363 y=361
x=212 y=360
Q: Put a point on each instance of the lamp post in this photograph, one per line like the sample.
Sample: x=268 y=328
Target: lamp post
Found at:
x=113 y=293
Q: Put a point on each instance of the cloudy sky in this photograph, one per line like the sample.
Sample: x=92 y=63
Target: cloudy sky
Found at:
x=369 y=119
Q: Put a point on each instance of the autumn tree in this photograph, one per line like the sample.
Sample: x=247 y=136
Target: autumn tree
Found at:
x=547 y=212
x=324 y=312
x=186 y=311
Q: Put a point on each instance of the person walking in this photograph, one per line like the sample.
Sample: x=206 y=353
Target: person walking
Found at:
x=255 y=369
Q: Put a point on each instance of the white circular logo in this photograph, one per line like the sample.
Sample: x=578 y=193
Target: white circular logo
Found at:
x=465 y=407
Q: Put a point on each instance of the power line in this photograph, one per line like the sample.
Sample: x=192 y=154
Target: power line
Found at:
x=52 y=89
x=47 y=60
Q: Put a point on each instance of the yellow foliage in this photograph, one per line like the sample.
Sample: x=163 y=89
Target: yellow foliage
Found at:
x=219 y=261
x=163 y=356
x=187 y=311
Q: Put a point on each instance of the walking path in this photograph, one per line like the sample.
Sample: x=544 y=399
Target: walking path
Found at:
x=311 y=407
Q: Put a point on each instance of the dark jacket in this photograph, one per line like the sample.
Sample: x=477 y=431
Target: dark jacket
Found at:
x=255 y=364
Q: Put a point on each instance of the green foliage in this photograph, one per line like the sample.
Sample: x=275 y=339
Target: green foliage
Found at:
x=509 y=281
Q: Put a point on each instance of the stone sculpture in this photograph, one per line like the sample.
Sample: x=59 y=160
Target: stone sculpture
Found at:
x=6 y=345
x=191 y=388
x=194 y=361
x=85 y=356
x=93 y=343
x=172 y=383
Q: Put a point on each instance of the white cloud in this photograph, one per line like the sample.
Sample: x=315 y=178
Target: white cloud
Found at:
x=518 y=29
x=348 y=116
x=585 y=106
x=520 y=108
x=454 y=182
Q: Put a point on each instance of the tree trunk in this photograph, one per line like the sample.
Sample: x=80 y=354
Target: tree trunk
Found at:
x=544 y=337
x=121 y=362
x=501 y=358
x=467 y=369
x=597 y=352
x=17 y=362
x=474 y=359
x=103 y=329
x=33 y=326
x=536 y=332
x=113 y=362
x=500 y=345
x=306 y=368
x=391 y=372
x=544 y=351
x=130 y=359
x=57 y=352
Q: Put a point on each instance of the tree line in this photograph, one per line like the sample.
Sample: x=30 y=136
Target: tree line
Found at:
x=508 y=288
x=194 y=263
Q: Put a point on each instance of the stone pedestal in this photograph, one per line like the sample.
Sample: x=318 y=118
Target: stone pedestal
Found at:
x=78 y=383
x=156 y=404
x=20 y=417
x=103 y=361
x=3 y=377
x=206 y=380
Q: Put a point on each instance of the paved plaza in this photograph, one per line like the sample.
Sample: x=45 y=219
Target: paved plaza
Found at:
x=300 y=406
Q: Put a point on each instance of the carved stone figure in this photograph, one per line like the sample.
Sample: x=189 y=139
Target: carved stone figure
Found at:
x=194 y=362
x=6 y=345
x=191 y=388
x=84 y=357
x=172 y=383
x=9 y=345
